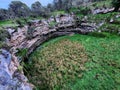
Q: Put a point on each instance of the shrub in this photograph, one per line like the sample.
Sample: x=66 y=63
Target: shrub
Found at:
x=3 y=34
x=30 y=31
x=2 y=44
x=116 y=4
x=81 y=10
x=22 y=53
x=52 y=24
x=111 y=28
x=19 y=22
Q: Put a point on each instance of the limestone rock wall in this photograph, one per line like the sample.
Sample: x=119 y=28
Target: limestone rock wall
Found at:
x=10 y=77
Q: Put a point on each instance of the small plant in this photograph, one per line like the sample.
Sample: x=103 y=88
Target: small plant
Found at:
x=1 y=44
x=22 y=53
x=110 y=28
x=81 y=10
x=52 y=24
x=19 y=22
x=3 y=34
x=20 y=68
x=30 y=31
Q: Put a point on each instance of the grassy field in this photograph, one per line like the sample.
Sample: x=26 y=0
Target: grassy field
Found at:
x=13 y=23
x=56 y=64
x=7 y=23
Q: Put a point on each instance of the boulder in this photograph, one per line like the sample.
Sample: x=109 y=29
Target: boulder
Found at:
x=10 y=30
x=102 y=11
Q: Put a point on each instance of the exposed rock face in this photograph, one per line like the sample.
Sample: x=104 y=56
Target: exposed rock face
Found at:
x=10 y=30
x=66 y=24
x=102 y=11
x=10 y=76
x=18 y=36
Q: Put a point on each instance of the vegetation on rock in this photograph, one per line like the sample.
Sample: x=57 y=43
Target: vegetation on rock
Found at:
x=3 y=36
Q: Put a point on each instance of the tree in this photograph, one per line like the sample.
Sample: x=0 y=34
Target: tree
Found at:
x=62 y=4
x=50 y=7
x=4 y=14
x=37 y=8
x=58 y=4
x=67 y=4
x=19 y=9
x=116 y=5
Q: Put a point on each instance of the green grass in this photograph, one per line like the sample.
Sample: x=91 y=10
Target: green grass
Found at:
x=12 y=23
x=102 y=69
x=8 y=23
x=58 y=12
x=3 y=35
x=5 y=22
